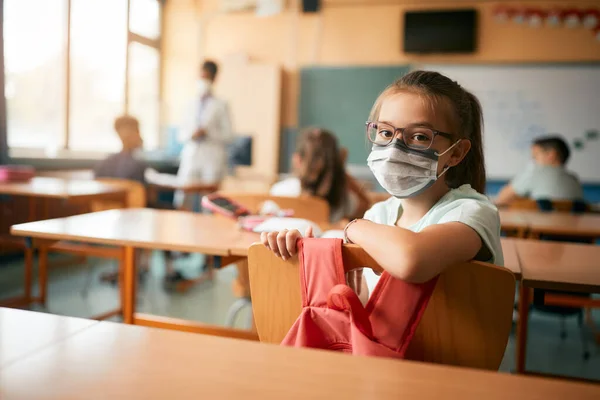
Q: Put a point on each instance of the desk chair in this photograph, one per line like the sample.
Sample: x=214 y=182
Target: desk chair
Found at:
x=563 y=310
x=308 y=207
x=467 y=321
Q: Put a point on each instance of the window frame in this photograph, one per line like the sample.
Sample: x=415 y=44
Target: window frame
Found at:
x=65 y=151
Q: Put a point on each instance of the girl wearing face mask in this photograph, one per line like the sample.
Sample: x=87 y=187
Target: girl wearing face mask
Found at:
x=427 y=152
x=205 y=135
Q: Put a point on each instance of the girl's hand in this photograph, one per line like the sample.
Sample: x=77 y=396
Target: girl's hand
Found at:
x=284 y=243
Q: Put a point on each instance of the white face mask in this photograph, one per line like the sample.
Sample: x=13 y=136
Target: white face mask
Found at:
x=405 y=172
x=203 y=86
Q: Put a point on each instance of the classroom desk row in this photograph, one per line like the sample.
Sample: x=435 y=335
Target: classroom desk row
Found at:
x=534 y=223
x=52 y=357
x=129 y=229
x=546 y=265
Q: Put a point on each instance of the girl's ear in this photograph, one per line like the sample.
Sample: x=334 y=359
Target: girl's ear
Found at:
x=459 y=152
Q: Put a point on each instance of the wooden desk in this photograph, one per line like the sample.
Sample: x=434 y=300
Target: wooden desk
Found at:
x=55 y=188
x=560 y=266
x=24 y=332
x=513 y=221
x=111 y=360
x=560 y=223
x=553 y=266
x=129 y=229
x=45 y=188
x=511 y=259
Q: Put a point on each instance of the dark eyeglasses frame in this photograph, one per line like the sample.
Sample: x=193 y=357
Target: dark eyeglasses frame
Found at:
x=401 y=130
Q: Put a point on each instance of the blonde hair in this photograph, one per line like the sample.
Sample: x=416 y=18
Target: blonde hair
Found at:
x=467 y=118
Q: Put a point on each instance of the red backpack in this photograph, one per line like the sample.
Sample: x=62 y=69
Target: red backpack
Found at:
x=334 y=318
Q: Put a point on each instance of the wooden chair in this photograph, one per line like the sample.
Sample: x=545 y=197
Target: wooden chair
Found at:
x=308 y=207
x=467 y=321
x=554 y=205
x=136 y=195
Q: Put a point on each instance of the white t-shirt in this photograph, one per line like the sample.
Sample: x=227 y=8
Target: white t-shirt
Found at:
x=291 y=187
x=547 y=182
x=463 y=204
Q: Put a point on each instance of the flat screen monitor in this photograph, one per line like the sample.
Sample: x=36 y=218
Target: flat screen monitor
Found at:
x=449 y=31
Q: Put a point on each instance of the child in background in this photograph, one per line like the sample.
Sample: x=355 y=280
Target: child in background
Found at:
x=124 y=165
x=427 y=152
x=318 y=166
x=547 y=178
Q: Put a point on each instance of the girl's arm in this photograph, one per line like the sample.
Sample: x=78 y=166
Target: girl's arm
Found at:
x=416 y=256
x=407 y=255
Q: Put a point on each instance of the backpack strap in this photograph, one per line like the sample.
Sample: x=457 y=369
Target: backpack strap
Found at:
x=321 y=269
x=342 y=298
x=395 y=309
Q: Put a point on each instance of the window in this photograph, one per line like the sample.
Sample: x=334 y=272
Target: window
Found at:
x=98 y=47
x=144 y=18
x=143 y=87
x=35 y=60
x=106 y=69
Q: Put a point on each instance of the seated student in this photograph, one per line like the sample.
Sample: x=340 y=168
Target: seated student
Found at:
x=125 y=165
x=547 y=177
x=427 y=152
x=318 y=166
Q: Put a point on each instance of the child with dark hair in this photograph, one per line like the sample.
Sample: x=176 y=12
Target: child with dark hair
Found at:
x=547 y=178
x=318 y=166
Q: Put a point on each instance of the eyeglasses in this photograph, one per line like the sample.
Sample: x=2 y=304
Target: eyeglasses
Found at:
x=414 y=136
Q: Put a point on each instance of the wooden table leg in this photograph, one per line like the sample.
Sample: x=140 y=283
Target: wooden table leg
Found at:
x=128 y=284
x=31 y=213
x=524 y=295
x=28 y=272
x=43 y=272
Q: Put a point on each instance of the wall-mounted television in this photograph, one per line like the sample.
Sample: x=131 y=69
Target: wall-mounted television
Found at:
x=447 y=31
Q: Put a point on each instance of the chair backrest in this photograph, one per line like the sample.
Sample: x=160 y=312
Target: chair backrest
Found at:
x=312 y=208
x=467 y=321
x=523 y=204
x=136 y=195
x=574 y=206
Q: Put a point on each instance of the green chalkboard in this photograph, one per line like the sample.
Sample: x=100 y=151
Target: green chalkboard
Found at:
x=340 y=99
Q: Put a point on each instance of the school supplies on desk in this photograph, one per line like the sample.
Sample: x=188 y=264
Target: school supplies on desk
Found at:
x=224 y=206
x=16 y=173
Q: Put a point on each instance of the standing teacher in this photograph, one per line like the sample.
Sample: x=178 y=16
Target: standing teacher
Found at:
x=206 y=135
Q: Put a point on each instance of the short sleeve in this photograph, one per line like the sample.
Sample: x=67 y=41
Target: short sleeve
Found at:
x=384 y=212
x=483 y=218
x=522 y=183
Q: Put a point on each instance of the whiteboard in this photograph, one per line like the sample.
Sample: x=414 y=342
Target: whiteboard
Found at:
x=521 y=103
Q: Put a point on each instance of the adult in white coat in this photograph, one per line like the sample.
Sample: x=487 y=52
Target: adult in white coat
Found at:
x=206 y=136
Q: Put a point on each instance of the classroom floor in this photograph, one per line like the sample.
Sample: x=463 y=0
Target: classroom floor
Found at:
x=209 y=303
